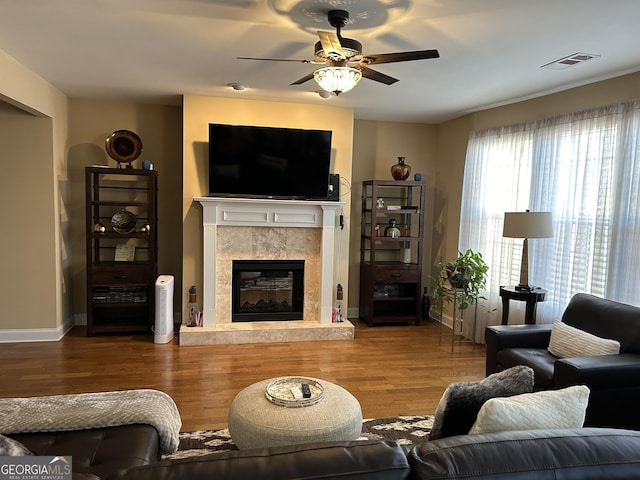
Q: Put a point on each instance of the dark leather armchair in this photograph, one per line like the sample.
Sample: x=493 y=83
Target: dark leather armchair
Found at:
x=614 y=380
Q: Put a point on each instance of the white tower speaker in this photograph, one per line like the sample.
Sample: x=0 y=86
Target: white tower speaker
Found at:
x=163 y=331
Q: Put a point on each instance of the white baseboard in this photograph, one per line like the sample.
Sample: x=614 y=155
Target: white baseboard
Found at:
x=21 y=335
x=446 y=320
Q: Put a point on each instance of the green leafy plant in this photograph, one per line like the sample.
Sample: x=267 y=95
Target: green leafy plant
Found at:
x=467 y=273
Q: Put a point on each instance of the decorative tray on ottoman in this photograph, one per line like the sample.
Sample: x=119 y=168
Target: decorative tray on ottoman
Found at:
x=279 y=392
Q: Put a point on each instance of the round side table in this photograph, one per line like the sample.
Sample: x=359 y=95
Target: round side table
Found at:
x=532 y=297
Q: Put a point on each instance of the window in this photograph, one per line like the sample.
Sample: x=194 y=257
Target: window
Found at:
x=585 y=169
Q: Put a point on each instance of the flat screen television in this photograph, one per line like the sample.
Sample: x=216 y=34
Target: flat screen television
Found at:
x=269 y=162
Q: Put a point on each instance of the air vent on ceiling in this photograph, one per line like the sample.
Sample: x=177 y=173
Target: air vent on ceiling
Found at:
x=570 y=61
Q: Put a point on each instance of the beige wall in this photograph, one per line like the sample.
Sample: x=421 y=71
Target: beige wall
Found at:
x=27 y=256
x=46 y=144
x=199 y=111
x=452 y=138
x=159 y=127
x=377 y=146
x=34 y=289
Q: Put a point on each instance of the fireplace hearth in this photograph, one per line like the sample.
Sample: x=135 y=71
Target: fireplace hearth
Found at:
x=267 y=290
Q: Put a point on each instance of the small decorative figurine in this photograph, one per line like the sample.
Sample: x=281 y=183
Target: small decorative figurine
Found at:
x=392 y=230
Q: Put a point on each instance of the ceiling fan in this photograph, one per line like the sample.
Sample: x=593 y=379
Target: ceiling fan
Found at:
x=345 y=60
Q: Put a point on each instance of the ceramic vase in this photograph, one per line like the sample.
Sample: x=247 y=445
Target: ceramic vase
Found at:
x=400 y=171
x=425 y=306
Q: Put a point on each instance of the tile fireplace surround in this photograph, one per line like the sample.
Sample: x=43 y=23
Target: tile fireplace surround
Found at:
x=264 y=229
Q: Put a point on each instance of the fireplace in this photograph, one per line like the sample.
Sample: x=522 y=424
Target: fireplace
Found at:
x=267 y=230
x=267 y=290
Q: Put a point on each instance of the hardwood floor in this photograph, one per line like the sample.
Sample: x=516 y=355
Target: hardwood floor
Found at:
x=391 y=370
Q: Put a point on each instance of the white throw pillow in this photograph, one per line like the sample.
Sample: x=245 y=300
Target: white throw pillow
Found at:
x=565 y=408
x=567 y=342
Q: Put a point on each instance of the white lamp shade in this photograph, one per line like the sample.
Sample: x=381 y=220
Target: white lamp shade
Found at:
x=337 y=79
x=528 y=225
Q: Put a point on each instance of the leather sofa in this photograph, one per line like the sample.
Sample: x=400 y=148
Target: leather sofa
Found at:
x=553 y=454
x=614 y=380
x=130 y=453
x=98 y=453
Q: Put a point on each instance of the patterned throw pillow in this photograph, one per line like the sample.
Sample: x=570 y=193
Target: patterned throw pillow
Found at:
x=462 y=401
x=10 y=448
x=565 y=408
x=567 y=342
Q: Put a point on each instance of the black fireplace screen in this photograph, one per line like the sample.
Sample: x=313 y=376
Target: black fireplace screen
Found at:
x=267 y=290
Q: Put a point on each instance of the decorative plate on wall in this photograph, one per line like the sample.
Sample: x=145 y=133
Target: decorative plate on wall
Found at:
x=124 y=146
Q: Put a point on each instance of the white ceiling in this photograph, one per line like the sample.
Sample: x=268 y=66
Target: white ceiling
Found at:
x=156 y=50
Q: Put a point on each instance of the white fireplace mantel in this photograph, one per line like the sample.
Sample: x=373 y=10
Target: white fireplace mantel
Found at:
x=249 y=212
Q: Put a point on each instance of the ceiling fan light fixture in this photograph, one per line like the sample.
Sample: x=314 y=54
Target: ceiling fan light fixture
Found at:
x=337 y=79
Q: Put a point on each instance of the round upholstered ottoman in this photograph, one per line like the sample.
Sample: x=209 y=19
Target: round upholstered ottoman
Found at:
x=256 y=422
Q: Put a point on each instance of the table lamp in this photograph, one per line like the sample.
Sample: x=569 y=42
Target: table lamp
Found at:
x=527 y=225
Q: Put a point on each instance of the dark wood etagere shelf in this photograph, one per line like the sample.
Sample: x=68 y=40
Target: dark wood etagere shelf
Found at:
x=391 y=267
x=120 y=289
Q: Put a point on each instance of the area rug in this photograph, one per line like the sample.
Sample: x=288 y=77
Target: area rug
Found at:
x=406 y=430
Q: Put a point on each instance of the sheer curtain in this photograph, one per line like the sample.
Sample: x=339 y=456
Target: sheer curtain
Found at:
x=585 y=169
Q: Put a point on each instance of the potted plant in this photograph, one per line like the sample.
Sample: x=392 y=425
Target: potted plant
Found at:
x=467 y=273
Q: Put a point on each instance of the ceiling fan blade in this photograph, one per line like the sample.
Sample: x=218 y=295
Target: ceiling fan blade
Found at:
x=331 y=45
x=275 y=59
x=397 y=57
x=300 y=81
x=376 y=76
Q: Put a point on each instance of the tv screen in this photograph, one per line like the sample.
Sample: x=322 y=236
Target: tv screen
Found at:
x=272 y=162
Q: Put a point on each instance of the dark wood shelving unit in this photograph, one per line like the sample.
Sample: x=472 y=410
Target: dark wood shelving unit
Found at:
x=391 y=267
x=121 y=294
